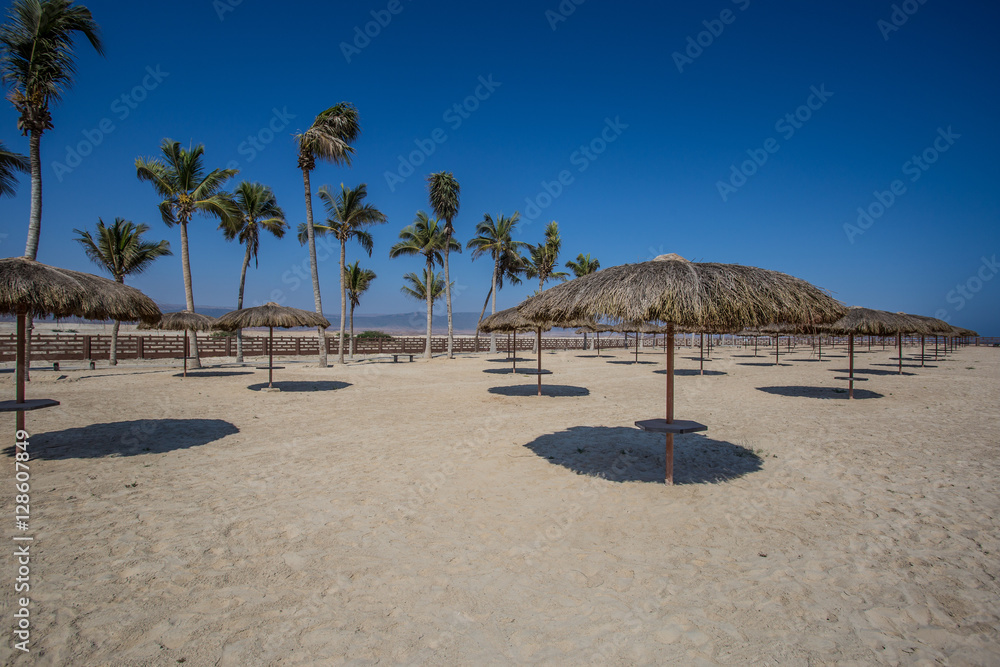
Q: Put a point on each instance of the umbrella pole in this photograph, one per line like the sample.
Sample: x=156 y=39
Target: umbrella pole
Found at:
x=598 y=334
x=777 y=344
x=185 y=353
x=21 y=358
x=669 y=472
x=636 y=347
x=270 y=357
x=899 y=342
x=850 y=371
x=755 y=346
x=936 y=339
x=922 y=337
x=513 y=357
x=701 y=355
x=539 y=338
x=821 y=347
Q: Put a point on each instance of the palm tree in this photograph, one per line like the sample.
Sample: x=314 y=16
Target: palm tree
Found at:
x=495 y=238
x=416 y=286
x=583 y=265
x=10 y=164
x=181 y=180
x=444 y=193
x=425 y=237
x=544 y=257
x=357 y=281
x=348 y=218
x=328 y=138
x=37 y=65
x=121 y=251
x=257 y=210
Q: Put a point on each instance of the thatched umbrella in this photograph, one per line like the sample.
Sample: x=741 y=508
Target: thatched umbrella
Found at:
x=869 y=322
x=31 y=288
x=676 y=292
x=597 y=330
x=270 y=315
x=183 y=320
x=509 y=321
x=934 y=327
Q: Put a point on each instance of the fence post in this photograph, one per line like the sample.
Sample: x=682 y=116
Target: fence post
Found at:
x=140 y=352
x=86 y=347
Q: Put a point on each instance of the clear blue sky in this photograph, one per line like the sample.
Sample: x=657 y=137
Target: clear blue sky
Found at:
x=678 y=126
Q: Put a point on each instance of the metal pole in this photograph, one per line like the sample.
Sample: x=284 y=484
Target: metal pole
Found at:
x=669 y=454
x=850 y=371
x=270 y=357
x=899 y=342
x=701 y=356
x=22 y=325
x=539 y=338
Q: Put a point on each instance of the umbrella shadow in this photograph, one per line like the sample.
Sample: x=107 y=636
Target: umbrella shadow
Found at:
x=547 y=390
x=212 y=374
x=871 y=371
x=621 y=454
x=819 y=392
x=506 y=360
x=499 y=371
x=303 y=385
x=759 y=363
x=697 y=358
x=690 y=371
x=626 y=363
x=896 y=365
x=127 y=438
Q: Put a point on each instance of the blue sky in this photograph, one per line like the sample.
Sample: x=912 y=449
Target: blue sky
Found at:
x=669 y=126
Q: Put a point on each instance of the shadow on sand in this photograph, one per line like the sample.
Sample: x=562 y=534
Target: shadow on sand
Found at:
x=872 y=371
x=547 y=390
x=626 y=363
x=622 y=454
x=690 y=371
x=499 y=371
x=127 y=438
x=758 y=363
x=507 y=361
x=303 y=385
x=820 y=392
x=211 y=374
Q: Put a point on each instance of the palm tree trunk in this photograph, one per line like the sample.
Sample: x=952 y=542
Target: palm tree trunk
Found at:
x=310 y=233
x=239 y=304
x=430 y=306
x=35 y=219
x=447 y=294
x=188 y=290
x=343 y=302
x=352 y=331
x=493 y=290
x=34 y=227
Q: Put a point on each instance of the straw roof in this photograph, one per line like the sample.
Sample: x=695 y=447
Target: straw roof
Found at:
x=41 y=290
x=932 y=325
x=181 y=320
x=508 y=320
x=270 y=315
x=961 y=331
x=869 y=322
x=688 y=294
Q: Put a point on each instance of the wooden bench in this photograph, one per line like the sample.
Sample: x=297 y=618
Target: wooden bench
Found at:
x=395 y=357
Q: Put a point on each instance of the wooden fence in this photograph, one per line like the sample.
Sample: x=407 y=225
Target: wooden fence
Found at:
x=70 y=347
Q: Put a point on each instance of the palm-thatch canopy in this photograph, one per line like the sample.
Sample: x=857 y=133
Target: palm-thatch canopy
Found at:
x=507 y=321
x=39 y=290
x=869 y=322
x=182 y=320
x=670 y=289
x=932 y=325
x=270 y=315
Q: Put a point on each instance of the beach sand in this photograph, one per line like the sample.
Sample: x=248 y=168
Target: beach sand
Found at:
x=433 y=513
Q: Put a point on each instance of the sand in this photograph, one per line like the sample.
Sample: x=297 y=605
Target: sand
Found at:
x=433 y=513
